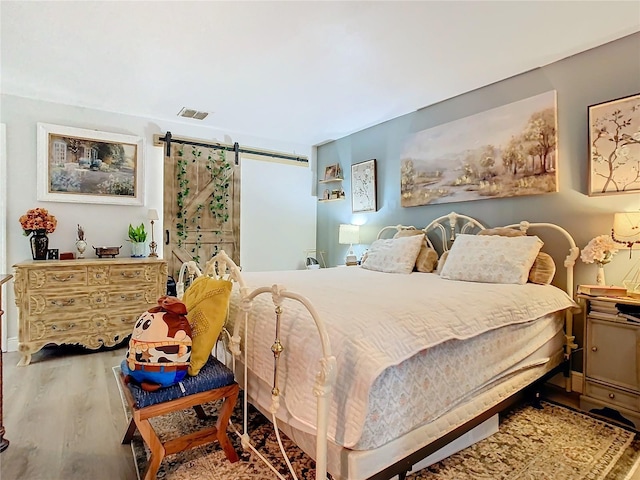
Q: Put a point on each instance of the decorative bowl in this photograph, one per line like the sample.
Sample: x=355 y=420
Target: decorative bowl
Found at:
x=107 y=251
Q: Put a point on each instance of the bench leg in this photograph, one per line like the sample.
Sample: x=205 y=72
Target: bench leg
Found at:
x=200 y=412
x=223 y=423
x=155 y=446
x=131 y=429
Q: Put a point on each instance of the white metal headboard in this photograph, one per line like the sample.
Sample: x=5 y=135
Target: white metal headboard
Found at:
x=443 y=230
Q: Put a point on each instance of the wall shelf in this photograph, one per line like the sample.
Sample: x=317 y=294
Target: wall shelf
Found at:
x=331 y=200
x=331 y=180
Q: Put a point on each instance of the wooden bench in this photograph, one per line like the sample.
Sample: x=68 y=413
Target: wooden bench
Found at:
x=214 y=382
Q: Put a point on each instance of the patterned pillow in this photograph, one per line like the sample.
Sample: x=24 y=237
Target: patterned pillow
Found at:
x=491 y=258
x=427 y=258
x=393 y=255
x=502 y=231
x=543 y=269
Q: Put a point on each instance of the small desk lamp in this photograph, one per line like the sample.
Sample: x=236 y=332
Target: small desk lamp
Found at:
x=348 y=235
x=626 y=230
x=153 y=216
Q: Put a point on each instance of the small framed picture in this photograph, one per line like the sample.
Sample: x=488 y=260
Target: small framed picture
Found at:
x=326 y=195
x=332 y=172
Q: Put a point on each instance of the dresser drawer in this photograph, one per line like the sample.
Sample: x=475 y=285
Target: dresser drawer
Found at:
x=132 y=274
x=65 y=277
x=613 y=396
x=54 y=304
x=141 y=297
x=58 y=331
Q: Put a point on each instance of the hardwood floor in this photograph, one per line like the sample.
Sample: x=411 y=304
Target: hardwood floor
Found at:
x=64 y=418
x=65 y=421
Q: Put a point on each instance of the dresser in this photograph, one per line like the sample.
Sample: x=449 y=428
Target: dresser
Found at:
x=611 y=360
x=90 y=302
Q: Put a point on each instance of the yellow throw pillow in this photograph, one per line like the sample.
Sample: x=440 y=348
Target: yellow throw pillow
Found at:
x=443 y=258
x=207 y=301
x=503 y=232
x=427 y=257
x=543 y=269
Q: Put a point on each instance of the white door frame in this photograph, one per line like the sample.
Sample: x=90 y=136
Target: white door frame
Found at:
x=3 y=226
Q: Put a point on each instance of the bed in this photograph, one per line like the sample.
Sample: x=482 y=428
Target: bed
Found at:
x=409 y=363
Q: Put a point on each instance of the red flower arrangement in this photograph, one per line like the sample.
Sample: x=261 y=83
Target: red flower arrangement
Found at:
x=38 y=219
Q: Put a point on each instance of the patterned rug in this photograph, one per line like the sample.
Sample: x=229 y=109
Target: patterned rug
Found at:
x=554 y=443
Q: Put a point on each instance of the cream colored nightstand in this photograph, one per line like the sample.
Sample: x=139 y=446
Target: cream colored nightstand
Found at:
x=611 y=360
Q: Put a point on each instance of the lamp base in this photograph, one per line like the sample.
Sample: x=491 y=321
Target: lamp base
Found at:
x=153 y=247
x=351 y=260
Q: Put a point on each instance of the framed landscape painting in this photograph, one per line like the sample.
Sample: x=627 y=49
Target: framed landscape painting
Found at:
x=87 y=166
x=507 y=151
x=614 y=146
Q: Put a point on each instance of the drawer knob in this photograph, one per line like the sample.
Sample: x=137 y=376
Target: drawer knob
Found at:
x=594 y=349
x=612 y=396
x=63 y=303
x=130 y=275
x=57 y=278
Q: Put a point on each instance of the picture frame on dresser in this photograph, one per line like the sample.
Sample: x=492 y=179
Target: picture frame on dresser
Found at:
x=614 y=146
x=88 y=166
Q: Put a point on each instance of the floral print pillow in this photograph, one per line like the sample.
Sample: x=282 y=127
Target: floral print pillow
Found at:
x=394 y=255
x=491 y=259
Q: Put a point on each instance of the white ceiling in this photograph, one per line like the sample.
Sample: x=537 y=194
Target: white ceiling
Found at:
x=303 y=72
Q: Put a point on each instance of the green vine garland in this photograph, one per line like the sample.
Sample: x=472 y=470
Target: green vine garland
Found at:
x=218 y=201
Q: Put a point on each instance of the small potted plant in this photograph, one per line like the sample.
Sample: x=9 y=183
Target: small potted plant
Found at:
x=137 y=237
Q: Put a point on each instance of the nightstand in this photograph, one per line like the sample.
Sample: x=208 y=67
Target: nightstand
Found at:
x=611 y=360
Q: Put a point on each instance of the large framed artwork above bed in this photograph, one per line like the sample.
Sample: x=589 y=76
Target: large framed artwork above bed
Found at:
x=421 y=360
x=507 y=151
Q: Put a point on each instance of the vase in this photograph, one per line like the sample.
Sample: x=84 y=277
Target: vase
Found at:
x=81 y=246
x=39 y=244
x=600 y=275
x=137 y=249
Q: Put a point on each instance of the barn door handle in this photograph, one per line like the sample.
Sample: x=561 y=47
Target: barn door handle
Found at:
x=166 y=237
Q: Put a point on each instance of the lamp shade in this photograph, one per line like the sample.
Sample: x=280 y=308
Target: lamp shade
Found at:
x=349 y=234
x=626 y=228
x=152 y=214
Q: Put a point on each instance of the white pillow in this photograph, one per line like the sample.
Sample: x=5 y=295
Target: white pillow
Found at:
x=491 y=258
x=394 y=255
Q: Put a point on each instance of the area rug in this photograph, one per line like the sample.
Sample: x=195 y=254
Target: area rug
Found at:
x=552 y=443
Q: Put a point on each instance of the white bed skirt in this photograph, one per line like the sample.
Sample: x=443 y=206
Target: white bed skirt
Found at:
x=347 y=464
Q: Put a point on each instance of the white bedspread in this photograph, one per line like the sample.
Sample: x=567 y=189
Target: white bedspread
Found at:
x=374 y=320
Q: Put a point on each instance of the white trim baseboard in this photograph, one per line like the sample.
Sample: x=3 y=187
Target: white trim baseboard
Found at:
x=12 y=344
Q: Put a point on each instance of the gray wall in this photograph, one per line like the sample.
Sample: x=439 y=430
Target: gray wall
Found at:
x=598 y=75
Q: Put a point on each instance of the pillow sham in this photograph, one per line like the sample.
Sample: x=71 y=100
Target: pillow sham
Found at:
x=502 y=231
x=393 y=255
x=427 y=257
x=543 y=269
x=441 y=260
x=491 y=258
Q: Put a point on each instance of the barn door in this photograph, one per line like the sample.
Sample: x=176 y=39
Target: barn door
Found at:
x=201 y=206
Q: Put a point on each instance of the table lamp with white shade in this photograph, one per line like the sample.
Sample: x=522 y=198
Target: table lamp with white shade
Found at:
x=348 y=235
x=152 y=215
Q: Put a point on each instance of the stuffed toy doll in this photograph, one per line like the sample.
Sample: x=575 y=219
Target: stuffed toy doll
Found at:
x=160 y=346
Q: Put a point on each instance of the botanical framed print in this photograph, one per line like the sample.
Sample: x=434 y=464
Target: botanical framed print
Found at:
x=88 y=166
x=614 y=146
x=363 y=187
x=506 y=151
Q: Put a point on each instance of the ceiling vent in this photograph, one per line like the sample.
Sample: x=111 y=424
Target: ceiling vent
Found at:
x=191 y=113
